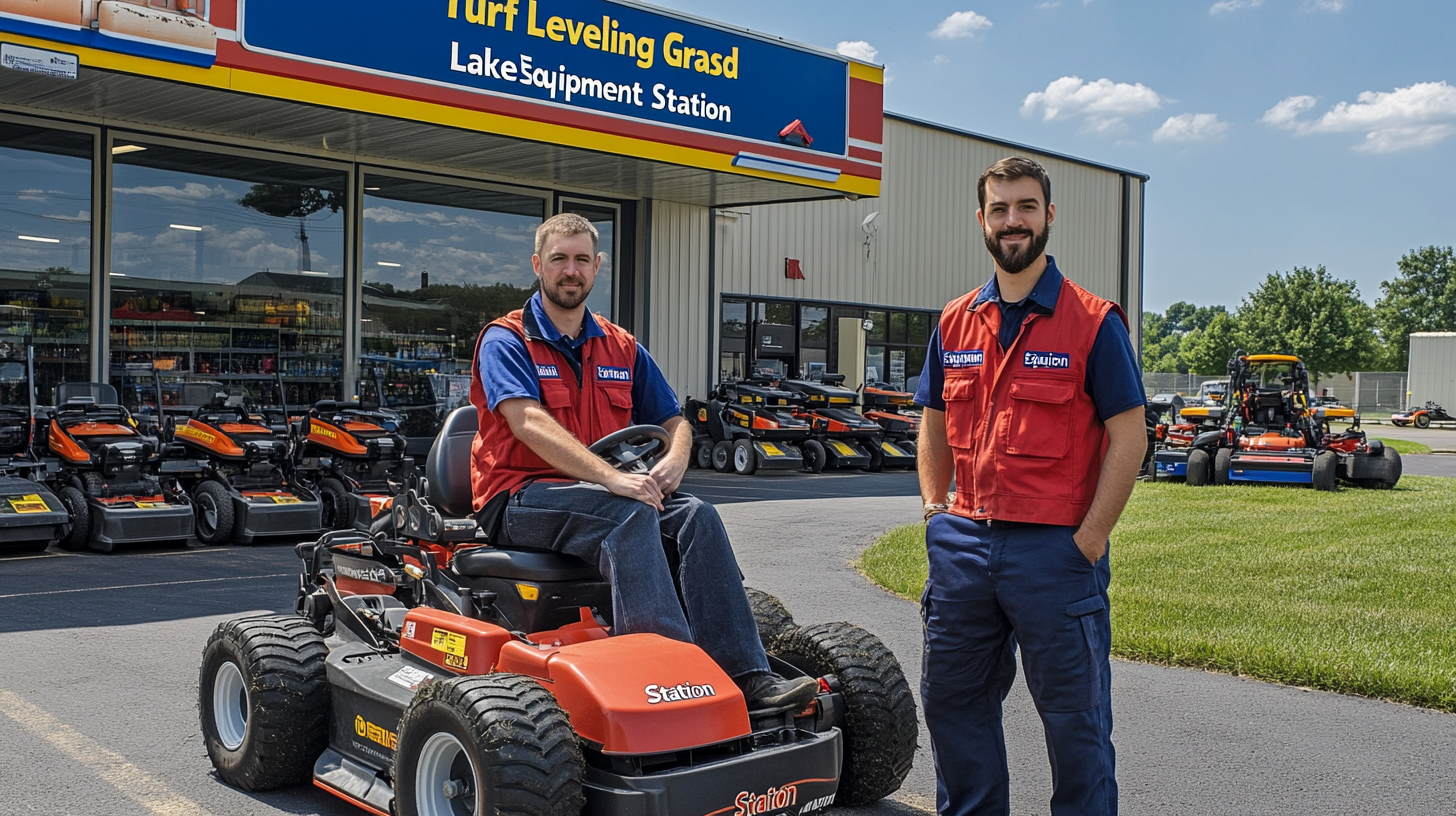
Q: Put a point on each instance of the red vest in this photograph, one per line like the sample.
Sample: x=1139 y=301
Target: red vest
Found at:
x=601 y=403
x=1024 y=432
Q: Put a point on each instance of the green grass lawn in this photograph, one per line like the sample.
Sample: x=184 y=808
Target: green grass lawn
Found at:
x=1352 y=591
x=1403 y=447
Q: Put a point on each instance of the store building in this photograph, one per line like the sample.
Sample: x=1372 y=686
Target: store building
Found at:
x=338 y=196
x=1432 y=370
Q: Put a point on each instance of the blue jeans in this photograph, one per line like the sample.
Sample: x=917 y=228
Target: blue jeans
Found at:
x=627 y=541
x=994 y=587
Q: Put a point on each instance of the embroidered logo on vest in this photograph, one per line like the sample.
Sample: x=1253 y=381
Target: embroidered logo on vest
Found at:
x=614 y=373
x=1046 y=359
x=547 y=372
x=962 y=359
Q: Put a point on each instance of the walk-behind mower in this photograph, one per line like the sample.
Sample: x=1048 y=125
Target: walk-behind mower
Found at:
x=1422 y=417
x=850 y=440
x=426 y=676
x=750 y=426
x=1271 y=434
x=107 y=473
x=243 y=483
x=893 y=410
x=31 y=516
x=356 y=456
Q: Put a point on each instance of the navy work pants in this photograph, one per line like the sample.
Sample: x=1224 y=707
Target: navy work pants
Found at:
x=625 y=540
x=995 y=587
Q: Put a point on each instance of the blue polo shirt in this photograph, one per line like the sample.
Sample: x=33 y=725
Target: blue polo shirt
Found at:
x=507 y=371
x=1114 y=374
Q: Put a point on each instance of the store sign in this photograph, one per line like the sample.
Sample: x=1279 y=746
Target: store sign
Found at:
x=141 y=28
x=607 y=57
x=38 y=61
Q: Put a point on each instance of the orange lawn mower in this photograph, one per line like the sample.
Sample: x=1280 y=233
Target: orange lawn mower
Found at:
x=849 y=439
x=31 y=516
x=893 y=410
x=1421 y=417
x=356 y=456
x=107 y=473
x=242 y=479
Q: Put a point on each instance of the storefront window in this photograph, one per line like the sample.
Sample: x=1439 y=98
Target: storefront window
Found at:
x=45 y=233
x=813 y=340
x=733 y=347
x=439 y=263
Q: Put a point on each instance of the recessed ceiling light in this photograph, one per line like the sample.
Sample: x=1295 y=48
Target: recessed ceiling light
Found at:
x=117 y=275
x=381 y=263
x=44 y=240
x=317 y=274
x=120 y=149
x=371 y=189
x=187 y=227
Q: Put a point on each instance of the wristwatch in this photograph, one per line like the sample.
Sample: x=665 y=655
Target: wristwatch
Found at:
x=932 y=509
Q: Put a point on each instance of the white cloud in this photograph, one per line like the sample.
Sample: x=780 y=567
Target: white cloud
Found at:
x=1403 y=119
x=1191 y=127
x=1287 y=112
x=1225 y=6
x=960 y=24
x=1103 y=103
x=1049 y=4
x=940 y=59
x=188 y=193
x=858 y=49
x=1325 y=5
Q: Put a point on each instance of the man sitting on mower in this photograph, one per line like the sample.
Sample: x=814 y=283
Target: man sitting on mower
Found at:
x=551 y=378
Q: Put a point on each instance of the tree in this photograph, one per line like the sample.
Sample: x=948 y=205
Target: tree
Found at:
x=1421 y=298
x=1308 y=313
x=1165 y=336
x=292 y=201
x=1207 y=351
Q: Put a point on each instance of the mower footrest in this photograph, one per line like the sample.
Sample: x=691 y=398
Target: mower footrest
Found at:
x=262 y=517
x=778 y=778
x=348 y=779
x=777 y=456
x=159 y=521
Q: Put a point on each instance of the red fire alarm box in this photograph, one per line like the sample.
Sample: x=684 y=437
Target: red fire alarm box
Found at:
x=792 y=270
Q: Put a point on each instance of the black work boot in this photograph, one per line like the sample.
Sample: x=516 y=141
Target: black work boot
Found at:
x=768 y=691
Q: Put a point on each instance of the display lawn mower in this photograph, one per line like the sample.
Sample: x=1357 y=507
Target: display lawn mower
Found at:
x=1422 y=417
x=107 y=473
x=432 y=675
x=1272 y=435
x=894 y=411
x=356 y=456
x=31 y=516
x=243 y=482
x=849 y=439
x=749 y=425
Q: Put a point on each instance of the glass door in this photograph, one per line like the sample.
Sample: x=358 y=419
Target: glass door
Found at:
x=606 y=217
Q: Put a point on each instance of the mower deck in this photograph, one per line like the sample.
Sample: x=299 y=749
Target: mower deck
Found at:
x=133 y=520
x=30 y=514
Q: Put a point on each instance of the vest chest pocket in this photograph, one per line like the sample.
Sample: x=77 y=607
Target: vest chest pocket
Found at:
x=619 y=397
x=962 y=408
x=1039 y=426
x=555 y=394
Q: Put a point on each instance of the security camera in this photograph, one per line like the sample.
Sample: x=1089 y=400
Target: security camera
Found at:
x=868 y=224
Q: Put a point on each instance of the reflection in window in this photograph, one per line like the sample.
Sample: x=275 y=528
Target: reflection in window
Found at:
x=226 y=269
x=45 y=233
x=439 y=263
x=733 y=347
x=877 y=329
x=813 y=340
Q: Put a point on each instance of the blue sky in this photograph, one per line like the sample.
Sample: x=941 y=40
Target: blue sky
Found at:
x=1354 y=169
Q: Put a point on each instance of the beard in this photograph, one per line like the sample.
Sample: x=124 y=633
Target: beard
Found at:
x=566 y=300
x=1016 y=261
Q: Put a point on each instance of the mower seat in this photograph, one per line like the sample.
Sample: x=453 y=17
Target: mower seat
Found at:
x=448 y=464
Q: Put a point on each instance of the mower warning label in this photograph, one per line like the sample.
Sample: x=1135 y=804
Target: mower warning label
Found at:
x=962 y=359
x=1046 y=359
x=448 y=642
x=193 y=433
x=30 y=504
x=409 y=677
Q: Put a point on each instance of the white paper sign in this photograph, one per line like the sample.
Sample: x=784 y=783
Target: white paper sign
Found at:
x=39 y=61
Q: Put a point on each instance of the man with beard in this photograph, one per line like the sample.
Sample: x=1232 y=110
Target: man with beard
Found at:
x=1034 y=404
x=551 y=378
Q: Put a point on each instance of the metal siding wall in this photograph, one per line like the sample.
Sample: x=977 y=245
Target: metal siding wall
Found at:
x=683 y=315
x=926 y=248
x=1433 y=369
x=1134 y=305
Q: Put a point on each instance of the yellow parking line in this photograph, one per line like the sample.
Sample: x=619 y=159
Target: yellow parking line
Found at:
x=136 y=784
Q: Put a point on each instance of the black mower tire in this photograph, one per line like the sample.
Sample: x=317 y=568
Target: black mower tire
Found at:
x=814 y=456
x=1223 y=463
x=75 y=503
x=908 y=446
x=1199 y=468
x=745 y=458
x=1326 y=469
x=338 y=506
x=769 y=614
x=1393 y=469
x=723 y=456
x=505 y=732
x=877 y=458
x=880 y=726
x=279 y=661
x=703 y=455
x=1423 y=421
x=210 y=495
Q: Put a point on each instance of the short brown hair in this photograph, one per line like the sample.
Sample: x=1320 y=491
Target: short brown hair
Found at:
x=1011 y=169
x=566 y=225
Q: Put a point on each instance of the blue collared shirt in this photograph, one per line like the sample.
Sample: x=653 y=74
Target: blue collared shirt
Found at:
x=508 y=372
x=1114 y=375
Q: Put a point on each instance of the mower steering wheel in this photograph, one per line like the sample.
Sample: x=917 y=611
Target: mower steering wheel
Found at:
x=634 y=449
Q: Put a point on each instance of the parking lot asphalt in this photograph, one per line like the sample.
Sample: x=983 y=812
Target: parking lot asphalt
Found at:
x=99 y=657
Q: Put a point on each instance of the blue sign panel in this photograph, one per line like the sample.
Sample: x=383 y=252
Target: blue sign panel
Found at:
x=594 y=55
